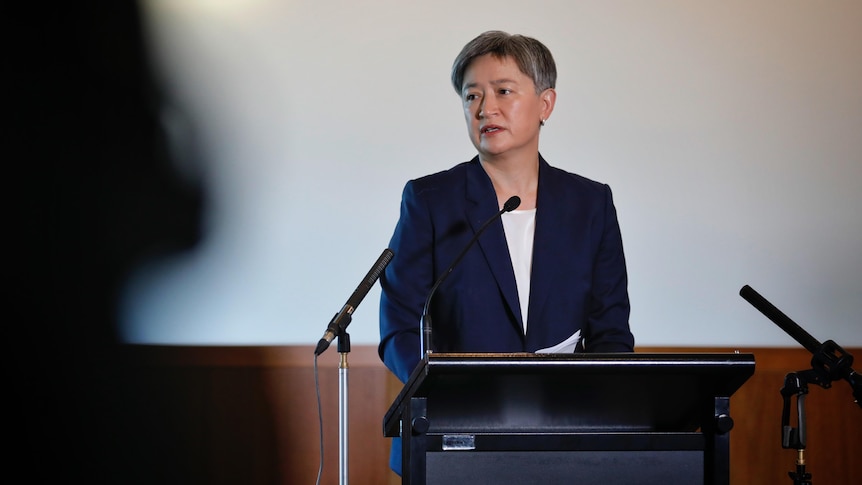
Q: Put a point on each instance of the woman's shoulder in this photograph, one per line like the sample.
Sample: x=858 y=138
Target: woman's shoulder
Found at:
x=573 y=180
x=445 y=179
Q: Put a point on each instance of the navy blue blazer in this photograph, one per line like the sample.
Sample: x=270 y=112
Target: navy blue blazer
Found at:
x=578 y=277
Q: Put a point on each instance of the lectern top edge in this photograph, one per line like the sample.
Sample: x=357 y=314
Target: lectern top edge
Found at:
x=721 y=373
x=634 y=358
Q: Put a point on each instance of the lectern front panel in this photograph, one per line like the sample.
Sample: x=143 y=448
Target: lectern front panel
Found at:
x=560 y=467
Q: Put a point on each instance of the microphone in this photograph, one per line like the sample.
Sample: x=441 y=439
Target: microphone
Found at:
x=829 y=361
x=510 y=205
x=780 y=319
x=342 y=319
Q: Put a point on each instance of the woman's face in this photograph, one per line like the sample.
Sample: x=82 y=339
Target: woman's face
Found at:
x=501 y=107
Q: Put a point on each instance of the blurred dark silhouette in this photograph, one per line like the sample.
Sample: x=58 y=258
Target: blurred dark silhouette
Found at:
x=99 y=195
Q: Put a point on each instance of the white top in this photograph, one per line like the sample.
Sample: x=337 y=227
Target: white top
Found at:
x=520 y=226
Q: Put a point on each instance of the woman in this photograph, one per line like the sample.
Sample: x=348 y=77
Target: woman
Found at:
x=551 y=270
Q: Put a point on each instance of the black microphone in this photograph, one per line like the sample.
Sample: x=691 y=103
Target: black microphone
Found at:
x=510 y=205
x=780 y=319
x=342 y=319
x=829 y=360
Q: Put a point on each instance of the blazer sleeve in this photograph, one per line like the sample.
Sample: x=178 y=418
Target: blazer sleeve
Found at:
x=405 y=284
x=609 y=308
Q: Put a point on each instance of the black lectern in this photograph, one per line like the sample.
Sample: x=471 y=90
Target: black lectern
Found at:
x=568 y=418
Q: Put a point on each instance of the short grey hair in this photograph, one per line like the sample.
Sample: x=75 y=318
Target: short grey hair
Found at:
x=531 y=56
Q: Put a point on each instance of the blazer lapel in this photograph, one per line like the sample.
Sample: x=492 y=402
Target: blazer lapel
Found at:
x=482 y=205
x=546 y=241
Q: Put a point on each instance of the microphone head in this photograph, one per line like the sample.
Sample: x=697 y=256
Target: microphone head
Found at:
x=512 y=204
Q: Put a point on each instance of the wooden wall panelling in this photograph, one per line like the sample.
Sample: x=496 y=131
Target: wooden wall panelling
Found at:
x=834 y=422
x=249 y=414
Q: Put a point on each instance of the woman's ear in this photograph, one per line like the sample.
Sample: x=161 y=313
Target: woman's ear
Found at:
x=548 y=98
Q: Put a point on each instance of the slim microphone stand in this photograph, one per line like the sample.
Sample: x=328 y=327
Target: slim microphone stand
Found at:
x=425 y=332
x=343 y=350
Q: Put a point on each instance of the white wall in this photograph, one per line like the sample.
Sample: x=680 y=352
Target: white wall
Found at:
x=730 y=132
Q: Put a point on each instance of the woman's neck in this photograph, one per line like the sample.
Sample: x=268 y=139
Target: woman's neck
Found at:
x=514 y=177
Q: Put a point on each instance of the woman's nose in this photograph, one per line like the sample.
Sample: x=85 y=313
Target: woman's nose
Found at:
x=488 y=107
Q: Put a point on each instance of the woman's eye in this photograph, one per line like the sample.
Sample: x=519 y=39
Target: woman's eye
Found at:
x=505 y=91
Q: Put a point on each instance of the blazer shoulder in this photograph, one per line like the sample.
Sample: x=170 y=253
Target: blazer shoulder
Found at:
x=577 y=184
x=444 y=181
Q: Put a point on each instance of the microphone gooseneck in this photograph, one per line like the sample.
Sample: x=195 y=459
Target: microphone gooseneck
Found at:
x=342 y=319
x=425 y=335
